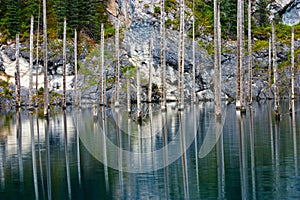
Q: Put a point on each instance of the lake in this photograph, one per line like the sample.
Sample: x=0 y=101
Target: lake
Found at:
x=90 y=153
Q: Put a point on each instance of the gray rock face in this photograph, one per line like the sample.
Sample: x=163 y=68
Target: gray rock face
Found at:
x=291 y=15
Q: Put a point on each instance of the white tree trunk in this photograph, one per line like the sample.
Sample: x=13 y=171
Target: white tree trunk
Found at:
x=128 y=92
x=17 y=73
x=181 y=58
x=138 y=95
x=249 y=54
x=150 y=68
x=37 y=59
x=31 y=63
x=293 y=64
x=270 y=67
x=75 y=68
x=217 y=58
x=193 y=57
x=274 y=52
x=46 y=93
x=117 y=103
x=101 y=97
x=162 y=55
x=64 y=103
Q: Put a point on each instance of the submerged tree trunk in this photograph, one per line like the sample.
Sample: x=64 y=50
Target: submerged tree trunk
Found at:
x=46 y=93
x=181 y=58
x=75 y=68
x=249 y=54
x=217 y=58
x=30 y=104
x=101 y=97
x=17 y=73
x=276 y=91
x=117 y=76
x=64 y=103
x=162 y=55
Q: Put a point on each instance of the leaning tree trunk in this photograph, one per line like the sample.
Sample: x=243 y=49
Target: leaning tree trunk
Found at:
x=101 y=97
x=249 y=54
x=181 y=58
x=37 y=59
x=276 y=91
x=162 y=55
x=17 y=72
x=217 y=58
x=293 y=64
x=117 y=76
x=46 y=93
x=64 y=103
x=75 y=69
x=30 y=104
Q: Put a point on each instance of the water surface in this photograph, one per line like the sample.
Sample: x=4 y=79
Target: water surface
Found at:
x=83 y=154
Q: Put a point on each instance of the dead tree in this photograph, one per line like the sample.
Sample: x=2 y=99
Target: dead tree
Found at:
x=117 y=73
x=162 y=55
x=37 y=58
x=64 y=103
x=249 y=54
x=181 y=58
x=17 y=72
x=101 y=97
x=75 y=68
x=275 y=73
x=217 y=58
x=46 y=93
x=30 y=104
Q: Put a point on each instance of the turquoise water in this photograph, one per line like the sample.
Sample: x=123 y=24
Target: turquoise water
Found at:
x=172 y=155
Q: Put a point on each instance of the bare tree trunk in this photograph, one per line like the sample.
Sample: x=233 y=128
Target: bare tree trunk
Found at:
x=75 y=68
x=17 y=72
x=242 y=61
x=241 y=102
x=37 y=58
x=46 y=93
x=117 y=103
x=162 y=55
x=194 y=60
x=249 y=54
x=276 y=92
x=138 y=95
x=293 y=64
x=64 y=64
x=30 y=104
x=217 y=58
x=150 y=68
x=128 y=92
x=181 y=58
x=101 y=66
x=270 y=67
x=238 y=76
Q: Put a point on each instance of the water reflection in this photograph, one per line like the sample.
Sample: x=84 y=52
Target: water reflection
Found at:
x=248 y=156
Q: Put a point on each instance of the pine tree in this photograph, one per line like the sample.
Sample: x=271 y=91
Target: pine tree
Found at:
x=13 y=18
